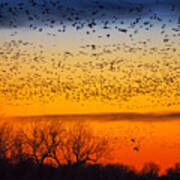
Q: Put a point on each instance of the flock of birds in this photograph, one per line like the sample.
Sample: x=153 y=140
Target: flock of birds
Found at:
x=25 y=75
x=115 y=72
x=126 y=66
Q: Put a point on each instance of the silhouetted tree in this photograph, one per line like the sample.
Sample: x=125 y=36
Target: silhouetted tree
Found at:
x=173 y=173
x=150 y=171
x=82 y=146
x=53 y=135
x=6 y=140
x=19 y=154
x=34 y=141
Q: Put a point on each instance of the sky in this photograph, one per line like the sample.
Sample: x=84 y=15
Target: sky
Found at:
x=76 y=57
x=115 y=60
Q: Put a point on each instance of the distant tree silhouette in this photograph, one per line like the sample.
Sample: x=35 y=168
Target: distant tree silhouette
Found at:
x=6 y=140
x=81 y=146
x=118 y=171
x=150 y=170
x=174 y=172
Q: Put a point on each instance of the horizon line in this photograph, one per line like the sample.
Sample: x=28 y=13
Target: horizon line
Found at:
x=108 y=116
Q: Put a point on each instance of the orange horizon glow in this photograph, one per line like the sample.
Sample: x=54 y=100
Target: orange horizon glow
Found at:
x=151 y=137
x=63 y=75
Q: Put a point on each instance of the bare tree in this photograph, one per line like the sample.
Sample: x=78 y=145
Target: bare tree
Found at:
x=44 y=140
x=76 y=146
x=34 y=139
x=81 y=146
x=18 y=150
x=53 y=135
x=6 y=139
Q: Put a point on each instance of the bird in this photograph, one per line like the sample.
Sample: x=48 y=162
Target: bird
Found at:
x=136 y=149
x=124 y=77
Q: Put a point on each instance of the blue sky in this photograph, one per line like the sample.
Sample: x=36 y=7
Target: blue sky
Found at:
x=16 y=10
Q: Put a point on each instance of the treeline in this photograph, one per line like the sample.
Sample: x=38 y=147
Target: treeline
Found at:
x=50 y=150
x=51 y=142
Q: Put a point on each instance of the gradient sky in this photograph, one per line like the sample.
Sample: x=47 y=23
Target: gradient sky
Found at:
x=86 y=56
x=91 y=69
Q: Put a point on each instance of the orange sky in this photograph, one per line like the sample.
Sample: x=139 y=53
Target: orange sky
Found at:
x=51 y=73
x=46 y=76
x=157 y=140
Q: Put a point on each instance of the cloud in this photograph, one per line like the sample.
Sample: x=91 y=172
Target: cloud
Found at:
x=148 y=117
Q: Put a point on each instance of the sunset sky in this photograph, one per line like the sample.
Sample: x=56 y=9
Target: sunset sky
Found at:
x=48 y=70
x=118 y=57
